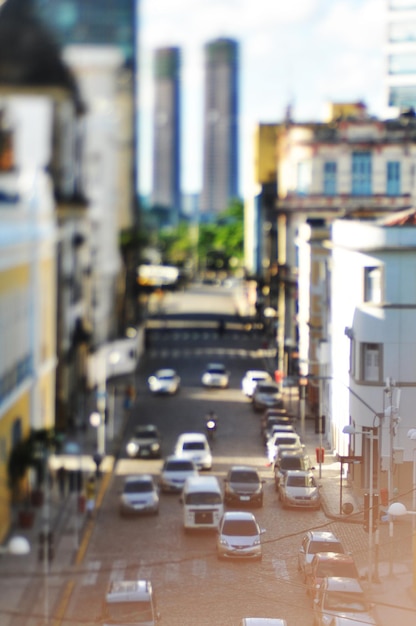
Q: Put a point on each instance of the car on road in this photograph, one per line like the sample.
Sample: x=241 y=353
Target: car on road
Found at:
x=326 y=564
x=164 y=382
x=215 y=375
x=125 y=598
x=243 y=486
x=195 y=447
x=269 y=421
x=342 y=598
x=290 y=441
x=267 y=395
x=290 y=460
x=239 y=536
x=299 y=489
x=316 y=541
x=139 y=495
x=250 y=380
x=279 y=428
x=174 y=472
x=145 y=443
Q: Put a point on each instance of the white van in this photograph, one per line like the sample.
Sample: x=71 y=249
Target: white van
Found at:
x=130 y=603
x=202 y=502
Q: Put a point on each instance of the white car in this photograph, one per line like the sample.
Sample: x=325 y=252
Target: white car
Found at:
x=316 y=541
x=140 y=495
x=290 y=441
x=250 y=380
x=174 y=472
x=298 y=488
x=195 y=447
x=215 y=375
x=164 y=381
x=239 y=536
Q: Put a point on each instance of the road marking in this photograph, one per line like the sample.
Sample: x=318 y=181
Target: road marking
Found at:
x=280 y=568
x=117 y=573
x=91 y=576
x=199 y=568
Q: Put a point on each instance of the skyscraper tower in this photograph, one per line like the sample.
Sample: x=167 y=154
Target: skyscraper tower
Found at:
x=401 y=55
x=166 y=136
x=220 y=150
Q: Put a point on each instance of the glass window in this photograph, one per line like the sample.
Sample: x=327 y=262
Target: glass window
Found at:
x=404 y=63
x=372 y=284
x=393 y=178
x=371 y=362
x=361 y=184
x=402 y=31
x=403 y=97
x=402 y=4
x=330 y=178
x=304 y=177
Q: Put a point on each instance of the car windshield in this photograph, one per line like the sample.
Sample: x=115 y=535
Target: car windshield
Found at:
x=345 y=601
x=138 y=487
x=301 y=481
x=244 y=477
x=216 y=370
x=267 y=389
x=325 y=546
x=178 y=466
x=280 y=439
x=241 y=528
x=292 y=463
x=149 y=433
x=193 y=445
x=330 y=567
x=203 y=498
x=138 y=612
x=165 y=376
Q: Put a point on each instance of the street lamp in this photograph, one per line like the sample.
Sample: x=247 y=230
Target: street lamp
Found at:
x=397 y=509
x=350 y=430
x=18 y=546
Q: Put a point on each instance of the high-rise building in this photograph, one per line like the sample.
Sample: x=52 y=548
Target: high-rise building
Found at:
x=166 y=192
x=220 y=150
x=78 y=22
x=401 y=55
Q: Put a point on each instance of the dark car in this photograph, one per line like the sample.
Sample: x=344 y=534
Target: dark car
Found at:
x=145 y=443
x=290 y=460
x=243 y=486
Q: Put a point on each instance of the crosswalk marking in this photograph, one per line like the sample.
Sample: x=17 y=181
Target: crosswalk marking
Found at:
x=90 y=577
x=280 y=569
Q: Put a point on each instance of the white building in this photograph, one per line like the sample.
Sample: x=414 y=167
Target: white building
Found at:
x=401 y=55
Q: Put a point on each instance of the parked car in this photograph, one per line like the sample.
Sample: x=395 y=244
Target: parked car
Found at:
x=340 y=597
x=329 y=564
x=266 y=395
x=140 y=495
x=268 y=422
x=291 y=441
x=239 y=536
x=194 y=447
x=250 y=380
x=290 y=460
x=215 y=375
x=125 y=596
x=316 y=541
x=146 y=442
x=279 y=428
x=164 y=381
x=174 y=472
x=299 y=489
x=243 y=486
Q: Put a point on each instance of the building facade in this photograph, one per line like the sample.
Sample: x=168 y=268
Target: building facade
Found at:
x=401 y=55
x=166 y=192
x=220 y=127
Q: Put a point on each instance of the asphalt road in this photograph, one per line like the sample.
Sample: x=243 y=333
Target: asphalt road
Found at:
x=191 y=585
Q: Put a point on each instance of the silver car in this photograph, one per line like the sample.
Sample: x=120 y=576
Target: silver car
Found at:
x=340 y=598
x=164 y=382
x=299 y=489
x=239 y=536
x=139 y=495
x=174 y=472
x=215 y=375
x=316 y=541
x=267 y=395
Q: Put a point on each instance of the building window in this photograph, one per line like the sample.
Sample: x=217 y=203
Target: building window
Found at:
x=330 y=178
x=393 y=178
x=403 y=63
x=361 y=174
x=371 y=362
x=304 y=178
x=372 y=284
x=402 y=4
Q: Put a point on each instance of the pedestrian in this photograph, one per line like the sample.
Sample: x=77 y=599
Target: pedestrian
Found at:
x=61 y=476
x=91 y=495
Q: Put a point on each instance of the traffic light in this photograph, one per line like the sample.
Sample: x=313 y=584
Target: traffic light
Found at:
x=366 y=512
x=46 y=547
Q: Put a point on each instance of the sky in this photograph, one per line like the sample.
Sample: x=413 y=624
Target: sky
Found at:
x=303 y=52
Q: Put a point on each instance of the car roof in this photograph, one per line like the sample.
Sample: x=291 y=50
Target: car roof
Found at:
x=297 y=472
x=239 y=516
x=177 y=457
x=342 y=583
x=322 y=535
x=267 y=383
x=138 y=478
x=242 y=468
x=129 y=591
x=192 y=437
x=253 y=373
x=333 y=556
x=289 y=452
x=165 y=371
x=195 y=483
x=144 y=427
